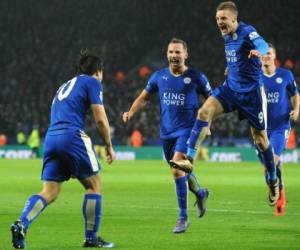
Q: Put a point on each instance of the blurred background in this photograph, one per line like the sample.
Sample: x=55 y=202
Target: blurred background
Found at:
x=41 y=40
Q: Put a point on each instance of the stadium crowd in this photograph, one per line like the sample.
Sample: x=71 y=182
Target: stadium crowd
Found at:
x=41 y=40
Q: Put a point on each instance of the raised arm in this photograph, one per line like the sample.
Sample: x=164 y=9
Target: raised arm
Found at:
x=103 y=128
x=139 y=102
x=261 y=48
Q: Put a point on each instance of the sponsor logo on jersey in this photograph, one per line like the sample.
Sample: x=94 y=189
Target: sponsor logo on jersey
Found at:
x=253 y=35
x=187 y=80
x=273 y=97
x=170 y=98
x=231 y=56
x=279 y=80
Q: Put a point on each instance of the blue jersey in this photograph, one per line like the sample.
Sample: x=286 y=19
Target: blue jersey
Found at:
x=179 y=99
x=279 y=88
x=72 y=101
x=244 y=74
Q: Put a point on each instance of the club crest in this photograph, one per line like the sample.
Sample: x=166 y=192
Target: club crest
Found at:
x=187 y=80
x=279 y=80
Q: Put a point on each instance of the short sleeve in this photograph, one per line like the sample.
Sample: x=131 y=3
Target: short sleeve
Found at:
x=292 y=88
x=257 y=41
x=95 y=92
x=203 y=85
x=151 y=86
x=252 y=33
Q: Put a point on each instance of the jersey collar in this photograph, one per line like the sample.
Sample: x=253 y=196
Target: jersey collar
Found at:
x=270 y=76
x=183 y=73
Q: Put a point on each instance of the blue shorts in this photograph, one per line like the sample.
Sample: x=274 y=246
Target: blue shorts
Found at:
x=69 y=154
x=170 y=146
x=278 y=139
x=250 y=105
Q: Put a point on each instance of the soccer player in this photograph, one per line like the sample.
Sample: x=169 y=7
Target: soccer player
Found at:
x=242 y=91
x=178 y=87
x=68 y=151
x=283 y=106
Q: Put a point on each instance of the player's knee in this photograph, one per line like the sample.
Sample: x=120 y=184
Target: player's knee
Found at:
x=203 y=114
x=177 y=173
x=261 y=143
x=92 y=185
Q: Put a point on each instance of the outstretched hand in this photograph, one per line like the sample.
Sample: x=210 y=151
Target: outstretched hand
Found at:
x=126 y=117
x=208 y=132
x=294 y=115
x=110 y=154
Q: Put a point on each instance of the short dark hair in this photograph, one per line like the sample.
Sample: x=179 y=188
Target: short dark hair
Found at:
x=88 y=63
x=228 y=5
x=272 y=46
x=177 y=40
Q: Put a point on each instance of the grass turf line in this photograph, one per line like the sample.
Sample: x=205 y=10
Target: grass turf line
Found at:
x=140 y=211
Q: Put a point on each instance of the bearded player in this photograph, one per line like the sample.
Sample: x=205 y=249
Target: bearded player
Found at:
x=178 y=87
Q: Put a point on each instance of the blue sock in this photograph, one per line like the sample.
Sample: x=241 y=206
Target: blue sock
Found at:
x=278 y=173
x=91 y=210
x=196 y=130
x=267 y=178
x=33 y=207
x=269 y=162
x=181 y=191
x=260 y=155
x=262 y=161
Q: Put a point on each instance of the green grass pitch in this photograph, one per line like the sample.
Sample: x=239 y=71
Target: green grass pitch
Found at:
x=139 y=208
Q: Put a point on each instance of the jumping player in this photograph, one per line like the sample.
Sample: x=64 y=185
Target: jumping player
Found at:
x=242 y=91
